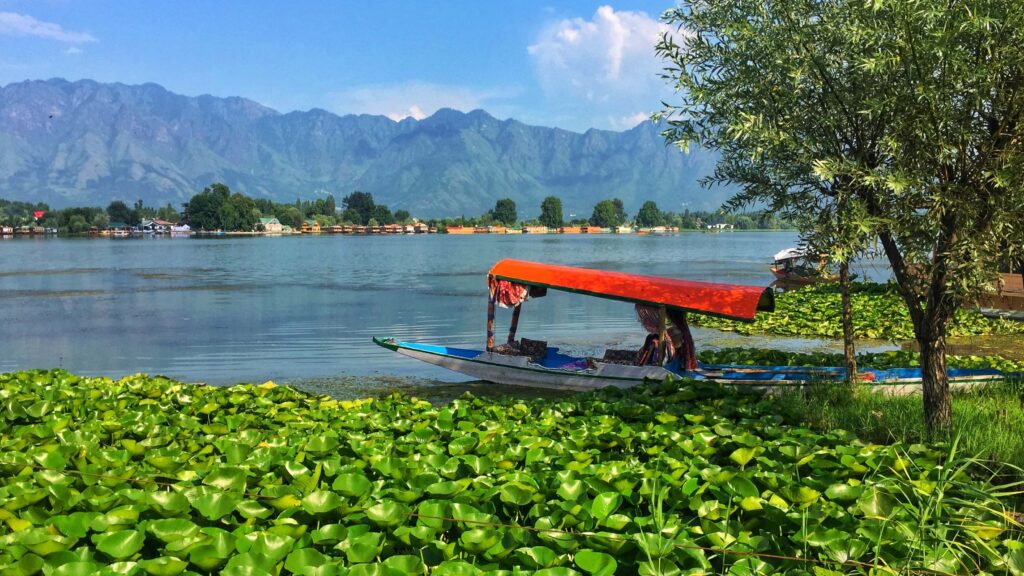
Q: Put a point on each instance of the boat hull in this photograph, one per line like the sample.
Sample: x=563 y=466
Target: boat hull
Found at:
x=587 y=375
x=519 y=371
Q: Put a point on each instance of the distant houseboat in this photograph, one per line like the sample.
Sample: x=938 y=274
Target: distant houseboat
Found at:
x=461 y=230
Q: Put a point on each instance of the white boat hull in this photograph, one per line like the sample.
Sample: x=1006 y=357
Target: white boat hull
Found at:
x=519 y=371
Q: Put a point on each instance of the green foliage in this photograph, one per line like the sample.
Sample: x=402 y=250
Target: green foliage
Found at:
x=910 y=130
x=608 y=214
x=216 y=208
x=879 y=360
x=155 y=474
x=15 y=213
x=118 y=211
x=551 y=212
x=649 y=215
x=361 y=206
x=382 y=214
x=878 y=313
x=505 y=212
x=168 y=213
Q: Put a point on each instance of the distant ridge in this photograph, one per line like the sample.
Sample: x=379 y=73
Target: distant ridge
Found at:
x=86 y=143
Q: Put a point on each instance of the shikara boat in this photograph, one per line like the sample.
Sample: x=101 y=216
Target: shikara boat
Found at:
x=667 y=301
x=793 y=267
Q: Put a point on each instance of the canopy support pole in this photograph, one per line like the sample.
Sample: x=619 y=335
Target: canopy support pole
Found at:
x=515 y=323
x=662 y=322
x=490 y=321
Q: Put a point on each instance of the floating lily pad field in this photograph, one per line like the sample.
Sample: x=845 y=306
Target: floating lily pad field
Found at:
x=152 y=476
x=879 y=360
x=878 y=313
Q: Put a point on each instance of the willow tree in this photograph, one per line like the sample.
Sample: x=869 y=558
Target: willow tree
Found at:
x=896 y=120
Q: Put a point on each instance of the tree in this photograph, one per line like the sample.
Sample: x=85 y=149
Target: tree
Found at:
x=551 y=212
x=330 y=208
x=118 y=211
x=100 y=220
x=351 y=216
x=168 y=213
x=361 y=203
x=402 y=216
x=505 y=212
x=290 y=216
x=382 y=214
x=910 y=129
x=649 y=215
x=620 y=211
x=607 y=214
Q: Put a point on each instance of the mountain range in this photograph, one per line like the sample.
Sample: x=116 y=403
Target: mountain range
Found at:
x=87 y=143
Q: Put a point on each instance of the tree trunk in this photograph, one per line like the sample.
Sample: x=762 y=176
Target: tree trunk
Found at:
x=849 y=353
x=935 y=384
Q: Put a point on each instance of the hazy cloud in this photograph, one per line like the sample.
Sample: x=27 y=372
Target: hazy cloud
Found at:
x=606 y=63
x=73 y=50
x=14 y=24
x=409 y=99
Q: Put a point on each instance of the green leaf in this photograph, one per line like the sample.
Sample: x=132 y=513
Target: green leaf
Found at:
x=352 y=485
x=163 y=566
x=605 y=504
x=321 y=502
x=596 y=563
x=388 y=513
x=517 y=493
x=120 y=544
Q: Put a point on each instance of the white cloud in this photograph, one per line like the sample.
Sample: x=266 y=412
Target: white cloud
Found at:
x=409 y=99
x=73 y=50
x=606 y=64
x=629 y=120
x=14 y=24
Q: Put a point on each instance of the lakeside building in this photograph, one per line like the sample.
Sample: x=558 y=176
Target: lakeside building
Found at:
x=310 y=227
x=593 y=230
x=570 y=230
x=6 y=230
x=155 y=226
x=270 y=225
x=26 y=230
x=624 y=229
x=461 y=230
x=535 y=229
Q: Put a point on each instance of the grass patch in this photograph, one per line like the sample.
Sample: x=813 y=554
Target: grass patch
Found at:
x=988 y=423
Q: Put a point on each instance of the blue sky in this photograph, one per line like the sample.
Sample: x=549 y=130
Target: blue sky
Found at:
x=574 y=65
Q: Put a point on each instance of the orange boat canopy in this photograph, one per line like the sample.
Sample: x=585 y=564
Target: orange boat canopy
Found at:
x=726 y=300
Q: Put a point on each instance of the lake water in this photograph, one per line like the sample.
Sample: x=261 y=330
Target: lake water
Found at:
x=303 y=309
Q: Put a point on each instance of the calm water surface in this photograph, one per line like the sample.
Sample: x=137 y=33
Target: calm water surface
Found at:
x=303 y=309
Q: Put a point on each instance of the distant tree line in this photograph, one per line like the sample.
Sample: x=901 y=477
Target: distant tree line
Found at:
x=611 y=213
x=76 y=220
x=217 y=208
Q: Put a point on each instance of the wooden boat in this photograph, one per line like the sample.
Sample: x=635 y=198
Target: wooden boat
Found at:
x=534 y=364
x=793 y=267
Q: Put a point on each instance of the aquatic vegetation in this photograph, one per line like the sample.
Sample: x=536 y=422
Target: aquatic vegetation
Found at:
x=878 y=313
x=152 y=476
x=880 y=360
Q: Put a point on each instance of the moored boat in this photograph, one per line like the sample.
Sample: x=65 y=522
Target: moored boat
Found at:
x=793 y=267
x=662 y=306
